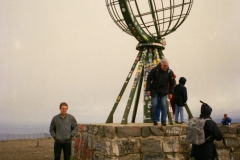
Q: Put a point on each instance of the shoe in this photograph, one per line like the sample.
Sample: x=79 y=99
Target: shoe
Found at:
x=176 y=122
x=155 y=123
x=164 y=124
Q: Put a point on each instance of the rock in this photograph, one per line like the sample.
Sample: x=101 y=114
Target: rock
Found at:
x=130 y=157
x=174 y=130
x=232 y=130
x=184 y=146
x=146 y=132
x=183 y=130
x=224 y=129
x=231 y=142
x=170 y=144
x=153 y=156
x=128 y=131
x=156 y=131
x=223 y=154
x=151 y=145
x=109 y=132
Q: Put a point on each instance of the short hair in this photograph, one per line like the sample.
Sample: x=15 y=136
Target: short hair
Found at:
x=63 y=104
x=225 y=115
x=164 y=60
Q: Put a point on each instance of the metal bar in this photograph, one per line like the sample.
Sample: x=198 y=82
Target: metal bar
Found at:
x=154 y=18
x=132 y=93
x=137 y=97
x=110 y=117
x=169 y=113
x=188 y=111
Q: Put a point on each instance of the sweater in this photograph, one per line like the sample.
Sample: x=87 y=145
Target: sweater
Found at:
x=63 y=129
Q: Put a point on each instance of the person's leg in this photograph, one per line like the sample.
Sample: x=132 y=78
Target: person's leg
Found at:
x=176 y=113
x=158 y=109
x=67 y=151
x=181 y=111
x=173 y=106
x=164 y=109
x=57 y=151
x=154 y=102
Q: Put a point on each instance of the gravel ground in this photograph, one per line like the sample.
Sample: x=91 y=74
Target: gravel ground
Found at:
x=27 y=149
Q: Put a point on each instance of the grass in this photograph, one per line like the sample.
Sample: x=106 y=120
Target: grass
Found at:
x=72 y=158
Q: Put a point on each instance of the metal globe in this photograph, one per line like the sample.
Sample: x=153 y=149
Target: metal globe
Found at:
x=149 y=20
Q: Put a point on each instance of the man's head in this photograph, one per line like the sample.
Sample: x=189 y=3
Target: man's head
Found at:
x=63 y=108
x=182 y=80
x=206 y=110
x=164 y=64
x=225 y=115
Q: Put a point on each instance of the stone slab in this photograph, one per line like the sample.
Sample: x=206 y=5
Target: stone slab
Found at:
x=146 y=132
x=151 y=145
x=174 y=130
x=153 y=156
x=128 y=131
x=170 y=144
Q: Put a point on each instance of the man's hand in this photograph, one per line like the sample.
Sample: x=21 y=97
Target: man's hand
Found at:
x=169 y=96
x=148 y=93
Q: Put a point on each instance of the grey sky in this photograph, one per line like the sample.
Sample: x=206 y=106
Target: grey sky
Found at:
x=54 y=51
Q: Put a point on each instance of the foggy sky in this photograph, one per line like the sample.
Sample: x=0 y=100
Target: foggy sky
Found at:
x=54 y=51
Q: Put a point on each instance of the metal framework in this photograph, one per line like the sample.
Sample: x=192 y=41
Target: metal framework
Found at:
x=149 y=21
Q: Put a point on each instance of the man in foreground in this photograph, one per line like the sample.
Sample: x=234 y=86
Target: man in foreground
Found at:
x=207 y=150
x=157 y=87
x=62 y=128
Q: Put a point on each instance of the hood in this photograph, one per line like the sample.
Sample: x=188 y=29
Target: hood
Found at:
x=182 y=80
x=206 y=110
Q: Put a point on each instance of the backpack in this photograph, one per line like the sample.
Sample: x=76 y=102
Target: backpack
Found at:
x=195 y=131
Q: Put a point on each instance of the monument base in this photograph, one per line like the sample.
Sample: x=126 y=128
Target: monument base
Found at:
x=145 y=142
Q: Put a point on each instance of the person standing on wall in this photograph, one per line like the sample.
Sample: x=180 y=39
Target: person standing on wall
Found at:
x=62 y=128
x=180 y=98
x=157 y=88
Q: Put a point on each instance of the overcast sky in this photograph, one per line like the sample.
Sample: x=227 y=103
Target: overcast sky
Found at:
x=53 y=51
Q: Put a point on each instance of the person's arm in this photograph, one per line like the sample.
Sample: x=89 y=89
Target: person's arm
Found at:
x=229 y=120
x=217 y=134
x=149 y=79
x=171 y=82
x=74 y=127
x=52 y=129
x=185 y=95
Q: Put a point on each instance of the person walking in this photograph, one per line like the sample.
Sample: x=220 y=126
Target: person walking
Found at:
x=157 y=87
x=207 y=150
x=226 y=120
x=180 y=98
x=62 y=128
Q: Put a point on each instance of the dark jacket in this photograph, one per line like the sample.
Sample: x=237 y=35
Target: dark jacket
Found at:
x=63 y=129
x=211 y=129
x=157 y=81
x=180 y=93
x=226 y=121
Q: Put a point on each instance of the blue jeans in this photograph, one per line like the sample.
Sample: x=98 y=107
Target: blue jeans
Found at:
x=66 y=147
x=163 y=107
x=179 y=110
x=159 y=110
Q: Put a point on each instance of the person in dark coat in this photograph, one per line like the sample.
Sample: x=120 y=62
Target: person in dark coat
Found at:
x=157 y=87
x=207 y=150
x=180 y=98
x=226 y=120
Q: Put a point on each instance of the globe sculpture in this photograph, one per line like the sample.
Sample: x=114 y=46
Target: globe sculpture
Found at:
x=149 y=21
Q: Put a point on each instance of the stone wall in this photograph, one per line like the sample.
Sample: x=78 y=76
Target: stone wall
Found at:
x=145 y=142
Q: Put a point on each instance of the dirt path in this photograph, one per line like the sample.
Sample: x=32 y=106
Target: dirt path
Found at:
x=27 y=150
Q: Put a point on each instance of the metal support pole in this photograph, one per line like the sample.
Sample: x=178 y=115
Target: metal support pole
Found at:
x=132 y=93
x=110 y=117
x=188 y=111
x=137 y=97
x=169 y=113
